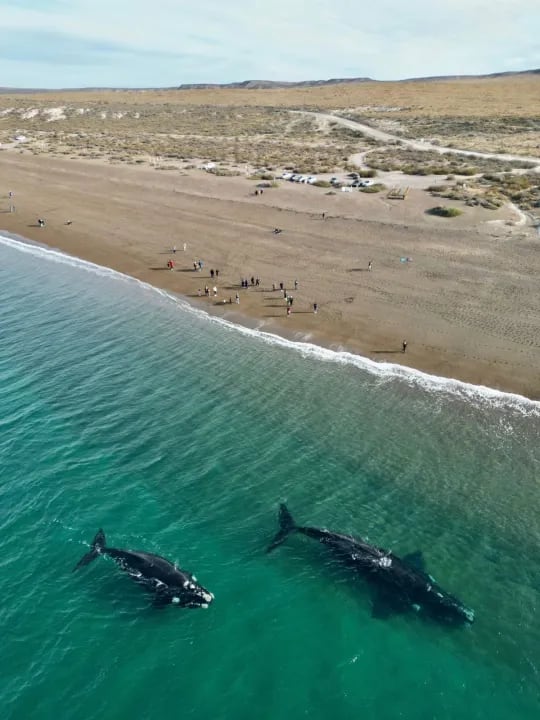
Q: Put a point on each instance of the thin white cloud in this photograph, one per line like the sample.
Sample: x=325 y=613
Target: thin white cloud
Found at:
x=276 y=39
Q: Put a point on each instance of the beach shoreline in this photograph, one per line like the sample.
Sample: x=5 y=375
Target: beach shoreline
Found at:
x=465 y=304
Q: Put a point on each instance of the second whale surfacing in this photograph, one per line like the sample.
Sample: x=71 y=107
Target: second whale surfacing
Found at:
x=171 y=585
x=401 y=583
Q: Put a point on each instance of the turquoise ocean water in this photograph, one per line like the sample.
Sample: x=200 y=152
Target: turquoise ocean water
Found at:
x=124 y=408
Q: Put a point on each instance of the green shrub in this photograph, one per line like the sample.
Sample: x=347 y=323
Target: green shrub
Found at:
x=447 y=212
x=322 y=183
x=370 y=173
x=373 y=188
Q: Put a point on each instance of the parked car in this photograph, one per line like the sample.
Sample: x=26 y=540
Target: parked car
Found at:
x=294 y=177
x=312 y=179
x=286 y=175
x=366 y=182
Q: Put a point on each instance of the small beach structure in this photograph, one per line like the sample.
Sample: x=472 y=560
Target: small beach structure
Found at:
x=398 y=193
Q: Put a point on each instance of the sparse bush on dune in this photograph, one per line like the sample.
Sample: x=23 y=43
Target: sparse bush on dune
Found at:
x=377 y=187
x=446 y=212
x=322 y=183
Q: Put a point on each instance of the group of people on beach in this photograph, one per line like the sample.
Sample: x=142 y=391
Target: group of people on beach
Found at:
x=254 y=281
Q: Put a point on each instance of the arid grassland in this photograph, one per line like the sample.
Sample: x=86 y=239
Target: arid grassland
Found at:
x=244 y=130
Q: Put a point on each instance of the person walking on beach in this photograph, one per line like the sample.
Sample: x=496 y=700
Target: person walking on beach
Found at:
x=369 y=265
x=217 y=273
x=315 y=308
x=215 y=290
x=404 y=346
x=296 y=284
x=185 y=247
x=212 y=274
x=288 y=310
x=174 y=249
x=237 y=299
x=323 y=215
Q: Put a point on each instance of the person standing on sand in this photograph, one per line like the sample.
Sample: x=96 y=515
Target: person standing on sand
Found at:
x=237 y=299
x=296 y=284
x=369 y=265
x=288 y=310
x=404 y=346
x=185 y=247
x=217 y=273
x=323 y=215
x=174 y=249
x=315 y=308
x=215 y=290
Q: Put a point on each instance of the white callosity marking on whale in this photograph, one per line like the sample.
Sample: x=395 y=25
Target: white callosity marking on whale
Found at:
x=186 y=584
x=175 y=600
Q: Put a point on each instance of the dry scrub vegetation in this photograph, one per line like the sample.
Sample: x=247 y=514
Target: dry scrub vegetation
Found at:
x=246 y=129
x=165 y=133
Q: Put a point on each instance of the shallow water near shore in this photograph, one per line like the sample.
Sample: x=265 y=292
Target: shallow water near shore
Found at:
x=126 y=409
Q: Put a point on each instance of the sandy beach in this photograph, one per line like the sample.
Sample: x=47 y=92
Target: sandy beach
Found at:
x=467 y=303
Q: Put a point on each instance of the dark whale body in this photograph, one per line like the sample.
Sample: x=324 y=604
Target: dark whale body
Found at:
x=402 y=583
x=171 y=585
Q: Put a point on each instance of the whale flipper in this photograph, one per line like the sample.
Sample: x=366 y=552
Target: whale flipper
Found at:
x=98 y=543
x=286 y=526
x=385 y=604
x=416 y=559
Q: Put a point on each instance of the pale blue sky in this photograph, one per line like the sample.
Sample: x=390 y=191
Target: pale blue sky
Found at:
x=141 y=43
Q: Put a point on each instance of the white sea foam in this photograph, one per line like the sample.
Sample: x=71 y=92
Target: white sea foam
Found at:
x=384 y=371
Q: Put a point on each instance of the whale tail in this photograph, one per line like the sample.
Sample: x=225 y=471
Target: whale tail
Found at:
x=286 y=527
x=98 y=543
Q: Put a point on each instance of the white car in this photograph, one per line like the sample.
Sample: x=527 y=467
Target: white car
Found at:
x=312 y=179
x=286 y=175
x=366 y=182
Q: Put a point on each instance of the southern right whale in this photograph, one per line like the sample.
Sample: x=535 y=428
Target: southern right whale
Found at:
x=401 y=583
x=171 y=585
